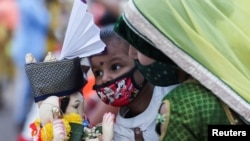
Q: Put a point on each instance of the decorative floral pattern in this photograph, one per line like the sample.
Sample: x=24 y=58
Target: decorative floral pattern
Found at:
x=45 y=133
x=160 y=118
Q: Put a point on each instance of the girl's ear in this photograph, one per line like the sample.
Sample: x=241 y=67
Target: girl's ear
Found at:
x=85 y=69
x=132 y=52
x=85 y=64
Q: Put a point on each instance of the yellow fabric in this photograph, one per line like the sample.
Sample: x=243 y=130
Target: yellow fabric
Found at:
x=216 y=33
x=55 y=11
x=7 y=69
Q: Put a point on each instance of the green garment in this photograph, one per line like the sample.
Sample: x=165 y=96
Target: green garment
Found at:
x=209 y=39
x=191 y=108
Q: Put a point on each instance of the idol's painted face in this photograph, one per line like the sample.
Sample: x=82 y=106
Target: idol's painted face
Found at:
x=75 y=104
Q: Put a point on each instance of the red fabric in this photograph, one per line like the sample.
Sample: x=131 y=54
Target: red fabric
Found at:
x=35 y=131
x=88 y=88
x=9 y=14
x=21 y=138
x=97 y=10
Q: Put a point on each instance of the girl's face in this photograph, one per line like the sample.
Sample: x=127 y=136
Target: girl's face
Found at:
x=143 y=59
x=75 y=104
x=113 y=64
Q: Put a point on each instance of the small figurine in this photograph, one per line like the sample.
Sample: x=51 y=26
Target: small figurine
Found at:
x=57 y=84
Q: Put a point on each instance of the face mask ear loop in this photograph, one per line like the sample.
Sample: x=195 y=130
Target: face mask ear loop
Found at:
x=134 y=82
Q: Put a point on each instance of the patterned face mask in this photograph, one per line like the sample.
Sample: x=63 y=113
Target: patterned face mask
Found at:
x=158 y=73
x=120 y=91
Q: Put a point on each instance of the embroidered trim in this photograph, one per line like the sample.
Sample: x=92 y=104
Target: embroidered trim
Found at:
x=232 y=120
x=191 y=80
x=160 y=118
x=166 y=103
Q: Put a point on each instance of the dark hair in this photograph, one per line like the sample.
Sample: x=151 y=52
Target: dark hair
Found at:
x=64 y=103
x=107 y=18
x=107 y=35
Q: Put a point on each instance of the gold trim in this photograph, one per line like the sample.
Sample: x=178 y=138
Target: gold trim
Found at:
x=187 y=63
x=165 y=125
x=232 y=120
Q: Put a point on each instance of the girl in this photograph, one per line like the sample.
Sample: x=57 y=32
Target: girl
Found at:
x=119 y=83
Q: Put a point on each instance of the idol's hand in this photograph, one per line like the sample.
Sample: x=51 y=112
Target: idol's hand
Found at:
x=107 y=126
x=59 y=130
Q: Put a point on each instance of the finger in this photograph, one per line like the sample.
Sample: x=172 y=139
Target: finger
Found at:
x=59 y=127
x=58 y=124
x=57 y=121
x=110 y=118
x=138 y=134
x=106 y=116
x=59 y=130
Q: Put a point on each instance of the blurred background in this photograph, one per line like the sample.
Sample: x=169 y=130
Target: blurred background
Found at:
x=37 y=27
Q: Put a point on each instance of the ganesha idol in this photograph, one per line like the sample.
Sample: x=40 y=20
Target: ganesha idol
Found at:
x=56 y=88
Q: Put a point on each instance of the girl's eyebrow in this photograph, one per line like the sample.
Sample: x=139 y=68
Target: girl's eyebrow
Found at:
x=113 y=59
x=116 y=59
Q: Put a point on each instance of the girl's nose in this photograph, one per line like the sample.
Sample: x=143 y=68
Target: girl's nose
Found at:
x=106 y=77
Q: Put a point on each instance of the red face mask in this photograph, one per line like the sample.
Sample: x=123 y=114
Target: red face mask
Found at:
x=120 y=91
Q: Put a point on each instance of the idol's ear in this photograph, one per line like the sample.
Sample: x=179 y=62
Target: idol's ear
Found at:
x=49 y=109
x=29 y=58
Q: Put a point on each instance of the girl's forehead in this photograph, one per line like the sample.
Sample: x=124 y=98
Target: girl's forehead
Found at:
x=110 y=54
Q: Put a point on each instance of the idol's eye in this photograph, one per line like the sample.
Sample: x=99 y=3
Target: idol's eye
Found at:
x=97 y=73
x=76 y=105
x=115 y=67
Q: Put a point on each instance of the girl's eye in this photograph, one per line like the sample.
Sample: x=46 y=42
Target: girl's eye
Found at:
x=115 y=67
x=98 y=73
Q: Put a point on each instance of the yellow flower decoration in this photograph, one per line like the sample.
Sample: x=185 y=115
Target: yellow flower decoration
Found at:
x=73 y=118
x=46 y=132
